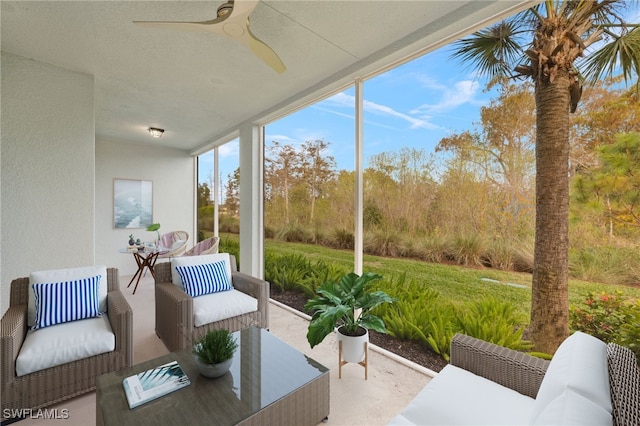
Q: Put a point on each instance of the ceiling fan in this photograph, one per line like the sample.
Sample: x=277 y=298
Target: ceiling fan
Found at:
x=232 y=21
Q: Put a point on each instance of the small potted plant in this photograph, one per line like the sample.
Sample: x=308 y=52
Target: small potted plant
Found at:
x=346 y=306
x=155 y=227
x=213 y=353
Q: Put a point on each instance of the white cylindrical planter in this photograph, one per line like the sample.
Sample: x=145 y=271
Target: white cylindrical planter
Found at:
x=353 y=347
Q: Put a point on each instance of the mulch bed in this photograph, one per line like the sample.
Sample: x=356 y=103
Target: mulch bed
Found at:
x=414 y=351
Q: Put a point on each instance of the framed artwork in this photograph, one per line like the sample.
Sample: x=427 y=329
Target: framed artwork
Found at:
x=132 y=203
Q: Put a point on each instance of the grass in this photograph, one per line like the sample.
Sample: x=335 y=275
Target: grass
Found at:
x=456 y=284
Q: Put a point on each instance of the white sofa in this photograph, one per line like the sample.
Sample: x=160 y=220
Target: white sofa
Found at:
x=586 y=383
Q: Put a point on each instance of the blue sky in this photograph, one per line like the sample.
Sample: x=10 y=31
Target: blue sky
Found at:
x=414 y=105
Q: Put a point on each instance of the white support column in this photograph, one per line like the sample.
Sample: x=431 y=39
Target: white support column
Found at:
x=251 y=200
x=216 y=192
x=359 y=184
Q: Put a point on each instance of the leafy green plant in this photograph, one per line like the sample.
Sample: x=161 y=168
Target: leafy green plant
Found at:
x=347 y=304
x=215 y=347
x=154 y=227
x=601 y=315
x=610 y=317
x=495 y=321
x=630 y=330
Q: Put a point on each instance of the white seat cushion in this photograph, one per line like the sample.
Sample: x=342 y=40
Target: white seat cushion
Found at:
x=63 y=343
x=458 y=397
x=214 y=307
x=60 y=275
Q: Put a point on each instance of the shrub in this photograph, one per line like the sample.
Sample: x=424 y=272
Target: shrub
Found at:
x=468 y=250
x=493 y=320
x=609 y=317
x=294 y=234
x=230 y=224
x=294 y=272
x=228 y=245
x=611 y=265
x=286 y=272
x=342 y=239
x=383 y=243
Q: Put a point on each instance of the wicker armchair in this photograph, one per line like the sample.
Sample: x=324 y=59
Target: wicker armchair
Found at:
x=51 y=385
x=176 y=242
x=174 y=308
x=208 y=246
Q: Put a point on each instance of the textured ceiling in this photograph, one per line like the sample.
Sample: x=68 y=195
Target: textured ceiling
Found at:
x=200 y=86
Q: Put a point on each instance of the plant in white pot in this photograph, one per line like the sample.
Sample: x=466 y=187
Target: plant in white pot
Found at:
x=214 y=353
x=347 y=306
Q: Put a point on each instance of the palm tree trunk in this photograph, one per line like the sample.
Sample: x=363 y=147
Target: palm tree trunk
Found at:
x=550 y=304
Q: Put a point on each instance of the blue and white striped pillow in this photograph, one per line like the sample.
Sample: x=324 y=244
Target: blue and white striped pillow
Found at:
x=204 y=278
x=66 y=301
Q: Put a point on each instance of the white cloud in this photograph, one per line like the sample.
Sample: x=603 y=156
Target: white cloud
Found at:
x=230 y=149
x=463 y=92
x=344 y=100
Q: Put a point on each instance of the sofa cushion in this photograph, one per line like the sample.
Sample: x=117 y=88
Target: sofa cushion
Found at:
x=573 y=409
x=63 y=343
x=218 y=306
x=59 y=275
x=457 y=397
x=198 y=260
x=66 y=301
x=204 y=279
x=579 y=364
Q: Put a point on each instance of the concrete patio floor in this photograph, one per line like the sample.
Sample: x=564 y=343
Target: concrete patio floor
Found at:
x=392 y=381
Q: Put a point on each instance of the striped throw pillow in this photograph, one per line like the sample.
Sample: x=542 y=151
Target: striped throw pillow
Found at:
x=66 y=301
x=204 y=278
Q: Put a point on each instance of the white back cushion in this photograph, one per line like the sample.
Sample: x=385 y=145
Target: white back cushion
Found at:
x=198 y=260
x=60 y=275
x=579 y=364
x=63 y=343
x=572 y=409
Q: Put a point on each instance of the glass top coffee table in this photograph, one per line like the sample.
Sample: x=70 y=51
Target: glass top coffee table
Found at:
x=269 y=383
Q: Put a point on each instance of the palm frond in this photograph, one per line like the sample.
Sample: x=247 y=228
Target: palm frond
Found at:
x=493 y=51
x=620 y=55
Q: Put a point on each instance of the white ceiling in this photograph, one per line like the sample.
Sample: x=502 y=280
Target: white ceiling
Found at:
x=200 y=86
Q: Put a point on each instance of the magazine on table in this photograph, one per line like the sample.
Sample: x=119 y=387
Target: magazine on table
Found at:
x=154 y=383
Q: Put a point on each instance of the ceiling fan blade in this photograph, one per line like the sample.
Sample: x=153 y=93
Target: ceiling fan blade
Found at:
x=243 y=8
x=233 y=22
x=262 y=51
x=184 y=26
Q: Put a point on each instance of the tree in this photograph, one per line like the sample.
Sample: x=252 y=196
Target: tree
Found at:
x=503 y=151
x=546 y=44
x=232 y=196
x=204 y=195
x=317 y=170
x=613 y=187
x=282 y=173
x=607 y=110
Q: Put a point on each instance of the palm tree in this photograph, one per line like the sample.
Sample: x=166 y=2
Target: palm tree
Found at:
x=559 y=45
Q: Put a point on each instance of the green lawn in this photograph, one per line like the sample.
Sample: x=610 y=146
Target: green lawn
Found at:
x=454 y=283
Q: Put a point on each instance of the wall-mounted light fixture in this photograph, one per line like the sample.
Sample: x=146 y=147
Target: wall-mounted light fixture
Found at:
x=155 y=132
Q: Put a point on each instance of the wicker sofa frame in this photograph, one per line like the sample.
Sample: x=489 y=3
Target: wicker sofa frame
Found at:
x=524 y=373
x=45 y=387
x=174 y=308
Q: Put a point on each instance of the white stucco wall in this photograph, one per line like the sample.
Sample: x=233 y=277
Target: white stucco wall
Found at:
x=47 y=169
x=173 y=175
